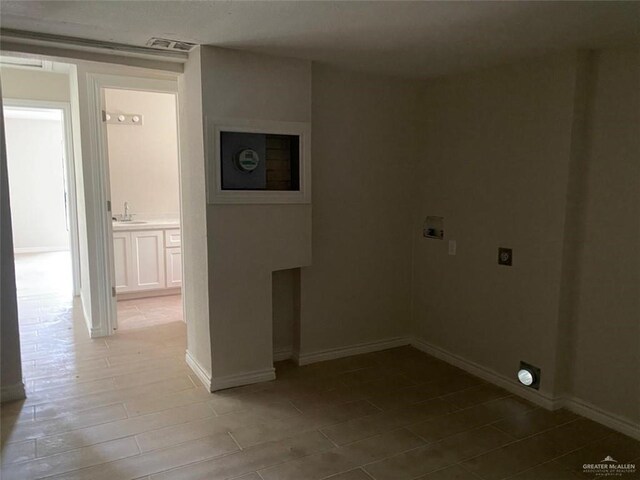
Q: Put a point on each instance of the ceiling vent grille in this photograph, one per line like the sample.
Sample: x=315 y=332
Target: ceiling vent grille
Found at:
x=166 y=44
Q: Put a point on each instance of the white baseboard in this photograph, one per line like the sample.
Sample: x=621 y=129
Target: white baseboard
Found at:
x=163 y=292
x=576 y=405
x=333 y=353
x=203 y=375
x=590 y=411
x=11 y=393
x=511 y=385
x=247 y=378
x=19 y=250
x=282 y=354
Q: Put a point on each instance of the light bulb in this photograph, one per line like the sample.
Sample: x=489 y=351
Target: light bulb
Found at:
x=525 y=377
x=121 y=118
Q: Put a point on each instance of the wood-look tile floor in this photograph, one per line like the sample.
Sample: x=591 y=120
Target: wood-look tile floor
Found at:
x=128 y=407
x=148 y=312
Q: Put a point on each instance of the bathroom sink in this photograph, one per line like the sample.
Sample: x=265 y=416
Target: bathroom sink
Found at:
x=130 y=222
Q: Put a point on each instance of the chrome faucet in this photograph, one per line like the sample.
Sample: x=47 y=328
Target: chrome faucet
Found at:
x=127 y=216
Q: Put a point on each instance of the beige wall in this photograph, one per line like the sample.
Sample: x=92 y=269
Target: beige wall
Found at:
x=34 y=84
x=11 y=386
x=365 y=154
x=605 y=371
x=143 y=159
x=246 y=243
x=35 y=152
x=540 y=157
x=497 y=145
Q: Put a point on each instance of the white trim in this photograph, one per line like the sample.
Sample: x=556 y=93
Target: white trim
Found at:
x=590 y=411
x=70 y=177
x=282 y=354
x=89 y=45
x=216 y=195
x=96 y=83
x=162 y=292
x=203 y=375
x=20 y=250
x=489 y=375
x=11 y=393
x=99 y=331
x=357 y=349
x=240 y=379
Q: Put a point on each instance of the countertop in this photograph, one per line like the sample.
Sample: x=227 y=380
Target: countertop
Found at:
x=146 y=224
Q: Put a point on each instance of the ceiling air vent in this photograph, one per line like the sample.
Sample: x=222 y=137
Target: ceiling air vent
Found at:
x=166 y=44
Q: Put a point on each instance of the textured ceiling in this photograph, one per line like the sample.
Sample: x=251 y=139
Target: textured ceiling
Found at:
x=413 y=39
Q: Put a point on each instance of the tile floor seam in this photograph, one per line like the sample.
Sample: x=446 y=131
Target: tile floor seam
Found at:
x=235 y=441
x=235 y=452
x=461 y=463
x=150 y=451
x=540 y=432
x=325 y=436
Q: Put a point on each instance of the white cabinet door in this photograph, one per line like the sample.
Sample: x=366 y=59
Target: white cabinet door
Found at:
x=123 y=262
x=173 y=262
x=172 y=238
x=148 y=253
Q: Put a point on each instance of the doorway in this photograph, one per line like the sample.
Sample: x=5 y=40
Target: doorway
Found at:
x=42 y=195
x=144 y=188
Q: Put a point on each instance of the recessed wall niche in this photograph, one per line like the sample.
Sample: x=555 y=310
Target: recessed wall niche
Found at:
x=259 y=161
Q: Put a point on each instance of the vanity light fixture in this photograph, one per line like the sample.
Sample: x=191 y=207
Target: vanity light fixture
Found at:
x=123 y=118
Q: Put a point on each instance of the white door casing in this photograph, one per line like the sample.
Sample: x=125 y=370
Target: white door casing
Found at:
x=102 y=228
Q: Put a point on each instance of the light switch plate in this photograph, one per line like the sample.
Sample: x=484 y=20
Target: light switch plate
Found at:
x=452 y=247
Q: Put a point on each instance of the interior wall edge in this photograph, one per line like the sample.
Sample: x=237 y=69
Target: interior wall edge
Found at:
x=575 y=219
x=11 y=393
x=491 y=376
x=243 y=378
x=574 y=404
x=201 y=372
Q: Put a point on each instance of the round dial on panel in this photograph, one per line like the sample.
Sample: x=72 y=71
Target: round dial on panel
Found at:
x=247 y=160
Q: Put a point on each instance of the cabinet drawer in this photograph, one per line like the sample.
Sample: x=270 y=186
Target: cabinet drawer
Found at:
x=172 y=238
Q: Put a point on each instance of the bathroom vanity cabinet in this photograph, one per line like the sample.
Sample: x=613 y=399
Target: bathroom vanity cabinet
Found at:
x=147 y=257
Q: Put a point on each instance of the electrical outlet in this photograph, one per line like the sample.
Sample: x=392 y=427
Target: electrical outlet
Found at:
x=505 y=256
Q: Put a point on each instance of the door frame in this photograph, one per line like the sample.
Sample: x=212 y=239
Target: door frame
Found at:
x=70 y=175
x=105 y=267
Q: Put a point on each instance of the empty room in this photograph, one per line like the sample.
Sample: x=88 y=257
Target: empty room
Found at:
x=320 y=240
